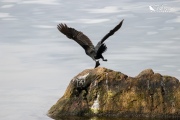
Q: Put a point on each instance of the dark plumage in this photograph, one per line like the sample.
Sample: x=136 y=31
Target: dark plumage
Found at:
x=95 y=52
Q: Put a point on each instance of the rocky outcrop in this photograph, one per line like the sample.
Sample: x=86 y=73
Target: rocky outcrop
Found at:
x=104 y=92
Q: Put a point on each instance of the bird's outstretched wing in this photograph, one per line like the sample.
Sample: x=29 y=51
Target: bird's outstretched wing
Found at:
x=111 y=32
x=77 y=36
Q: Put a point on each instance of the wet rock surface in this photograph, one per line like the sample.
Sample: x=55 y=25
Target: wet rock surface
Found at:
x=104 y=92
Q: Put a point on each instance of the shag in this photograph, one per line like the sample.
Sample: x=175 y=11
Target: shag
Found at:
x=95 y=52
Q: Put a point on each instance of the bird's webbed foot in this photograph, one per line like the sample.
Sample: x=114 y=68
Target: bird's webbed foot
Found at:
x=105 y=60
x=97 y=64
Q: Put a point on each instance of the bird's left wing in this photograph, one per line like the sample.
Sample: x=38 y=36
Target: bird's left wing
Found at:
x=77 y=36
x=111 y=32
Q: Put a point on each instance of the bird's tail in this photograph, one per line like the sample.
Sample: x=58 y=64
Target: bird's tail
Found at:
x=102 y=48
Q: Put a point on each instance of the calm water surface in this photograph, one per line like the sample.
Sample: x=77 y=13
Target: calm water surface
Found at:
x=37 y=62
x=113 y=118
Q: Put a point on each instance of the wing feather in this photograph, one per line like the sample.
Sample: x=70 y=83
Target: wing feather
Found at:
x=111 y=32
x=77 y=36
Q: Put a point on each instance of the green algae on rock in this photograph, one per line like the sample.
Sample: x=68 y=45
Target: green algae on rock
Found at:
x=104 y=92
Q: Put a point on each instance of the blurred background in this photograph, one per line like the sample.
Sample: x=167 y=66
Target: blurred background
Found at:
x=37 y=62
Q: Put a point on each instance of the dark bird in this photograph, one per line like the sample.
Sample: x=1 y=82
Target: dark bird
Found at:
x=95 y=52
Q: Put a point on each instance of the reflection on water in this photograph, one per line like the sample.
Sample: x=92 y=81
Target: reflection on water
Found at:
x=112 y=118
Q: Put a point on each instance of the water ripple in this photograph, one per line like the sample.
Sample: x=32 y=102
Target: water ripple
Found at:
x=7 y=6
x=86 y=21
x=107 y=9
x=167 y=28
x=47 y=2
x=43 y=26
x=91 y=21
x=151 y=33
x=7 y=16
x=176 y=20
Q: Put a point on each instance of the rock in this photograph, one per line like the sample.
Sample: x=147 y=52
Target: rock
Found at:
x=104 y=92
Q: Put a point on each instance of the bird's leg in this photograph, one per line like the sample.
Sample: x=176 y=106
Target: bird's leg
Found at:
x=97 y=63
x=103 y=58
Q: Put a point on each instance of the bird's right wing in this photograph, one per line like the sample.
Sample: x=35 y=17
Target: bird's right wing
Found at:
x=77 y=36
x=111 y=32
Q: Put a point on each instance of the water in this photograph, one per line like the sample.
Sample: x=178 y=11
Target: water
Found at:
x=112 y=118
x=37 y=62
